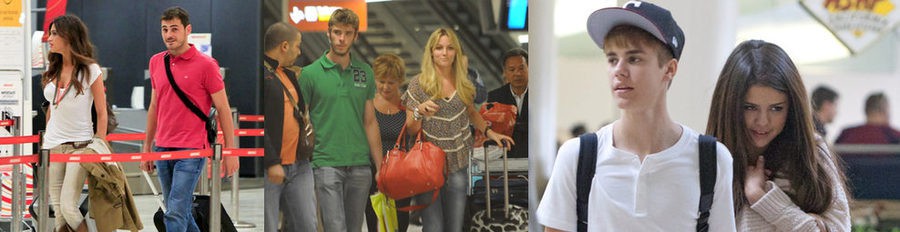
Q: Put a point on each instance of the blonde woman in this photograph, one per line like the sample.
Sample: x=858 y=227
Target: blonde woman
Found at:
x=440 y=102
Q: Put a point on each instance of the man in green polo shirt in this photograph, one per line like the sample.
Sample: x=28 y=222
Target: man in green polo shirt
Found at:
x=339 y=92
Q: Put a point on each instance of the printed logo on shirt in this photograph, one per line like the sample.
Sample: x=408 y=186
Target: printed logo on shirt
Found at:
x=359 y=78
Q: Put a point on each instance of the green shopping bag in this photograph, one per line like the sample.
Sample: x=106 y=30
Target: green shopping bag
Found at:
x=386 y=211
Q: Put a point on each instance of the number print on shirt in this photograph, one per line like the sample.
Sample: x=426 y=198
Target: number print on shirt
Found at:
x=359 y=78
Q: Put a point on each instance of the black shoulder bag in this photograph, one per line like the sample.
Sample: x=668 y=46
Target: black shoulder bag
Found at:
x=210 y=120
x=587 y=163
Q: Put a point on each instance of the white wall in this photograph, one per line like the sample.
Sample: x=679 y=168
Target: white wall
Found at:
x=583 y=94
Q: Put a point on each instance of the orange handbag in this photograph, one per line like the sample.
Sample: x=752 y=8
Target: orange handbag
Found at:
x=408 y=173
x=501 y=117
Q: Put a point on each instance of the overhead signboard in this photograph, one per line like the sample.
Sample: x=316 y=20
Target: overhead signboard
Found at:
x=313 y=15
x=856 y=23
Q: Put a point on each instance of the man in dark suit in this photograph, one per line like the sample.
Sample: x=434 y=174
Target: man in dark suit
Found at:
x=515 y=92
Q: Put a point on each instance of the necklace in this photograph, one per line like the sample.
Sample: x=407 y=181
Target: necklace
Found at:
x=57 y=97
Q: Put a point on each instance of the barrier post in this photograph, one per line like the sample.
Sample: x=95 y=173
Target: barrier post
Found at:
x=487 y=181
x=18 y=181
x=215 y=208
x=204 y=181
x=235 y=185
x=43 y=183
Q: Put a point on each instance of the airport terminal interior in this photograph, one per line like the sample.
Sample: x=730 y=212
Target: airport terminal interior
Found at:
x=568 y=84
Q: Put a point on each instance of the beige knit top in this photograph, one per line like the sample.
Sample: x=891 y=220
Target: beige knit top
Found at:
x=776 y=212
x=448 y=128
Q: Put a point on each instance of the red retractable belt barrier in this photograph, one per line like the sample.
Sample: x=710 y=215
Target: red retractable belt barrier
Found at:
x=243 y=152
x=247 y=132
x=18 y=160
x=251 y=118
x=126 y=137
x=130 y=157
x=19 y=139
x=124 y=157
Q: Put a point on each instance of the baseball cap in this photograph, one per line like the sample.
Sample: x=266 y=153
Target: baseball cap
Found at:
x=647 y=16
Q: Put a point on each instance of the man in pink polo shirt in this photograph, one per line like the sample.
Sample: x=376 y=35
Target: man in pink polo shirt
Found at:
x=171 y=126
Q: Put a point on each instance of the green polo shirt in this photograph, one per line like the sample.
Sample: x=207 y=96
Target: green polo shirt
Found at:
x=337 y=100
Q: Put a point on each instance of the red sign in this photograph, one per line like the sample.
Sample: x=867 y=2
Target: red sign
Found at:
x=55 y=8
x=313 y=15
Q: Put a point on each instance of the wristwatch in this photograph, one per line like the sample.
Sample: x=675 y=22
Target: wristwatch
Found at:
x=416 y=115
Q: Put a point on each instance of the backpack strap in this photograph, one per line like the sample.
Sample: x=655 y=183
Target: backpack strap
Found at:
x=587 y=164
x=707 y=179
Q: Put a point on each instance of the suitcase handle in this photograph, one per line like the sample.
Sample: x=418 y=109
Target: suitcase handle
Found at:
x=487 y=179
x=155 y=192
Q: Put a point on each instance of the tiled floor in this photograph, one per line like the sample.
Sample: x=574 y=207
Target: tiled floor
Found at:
x=250 y=203
x=251 y=209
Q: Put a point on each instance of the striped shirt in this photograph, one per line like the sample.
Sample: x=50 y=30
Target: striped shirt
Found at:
x=447 y=129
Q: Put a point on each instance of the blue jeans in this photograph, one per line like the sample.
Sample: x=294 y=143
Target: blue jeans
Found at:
x=178 y=179
x=342 y=195
x=295 y=198
x=446 y=212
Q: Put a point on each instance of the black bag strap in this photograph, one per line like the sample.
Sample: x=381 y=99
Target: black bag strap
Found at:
x=587 y=164
x=297 y=110
x=184 y=99
x=707 y=179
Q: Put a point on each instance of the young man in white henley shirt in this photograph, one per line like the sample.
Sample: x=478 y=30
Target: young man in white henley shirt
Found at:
x=647 y=166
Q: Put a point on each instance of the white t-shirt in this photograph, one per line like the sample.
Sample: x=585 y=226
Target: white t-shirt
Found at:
x=70 y=120
x=662 y=194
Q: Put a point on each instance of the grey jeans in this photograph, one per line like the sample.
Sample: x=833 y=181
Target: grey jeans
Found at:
x=294 y=198
x=446 y=212
x=342 y=193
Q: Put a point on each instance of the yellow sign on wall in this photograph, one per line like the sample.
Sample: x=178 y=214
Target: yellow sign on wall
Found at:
x=10 y=12
x=856 y=23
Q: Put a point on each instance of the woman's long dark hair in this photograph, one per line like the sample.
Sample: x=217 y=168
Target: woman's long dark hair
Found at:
x=73 y=30
x=794 y=154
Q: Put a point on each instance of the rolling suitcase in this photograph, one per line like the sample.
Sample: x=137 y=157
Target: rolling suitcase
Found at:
x=199 y=209
x=517 y=193
x=507 y=217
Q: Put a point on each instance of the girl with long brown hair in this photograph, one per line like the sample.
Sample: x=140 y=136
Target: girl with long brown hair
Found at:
x=785 y=177
x=71 y=84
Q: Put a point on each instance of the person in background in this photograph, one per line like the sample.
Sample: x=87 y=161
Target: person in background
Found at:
x=71 y=85
x=785 y=177
x=289 y=187
x=440 y=101
x=515 y=92
x=390 y=74
x=824 y=103
x=877 y=129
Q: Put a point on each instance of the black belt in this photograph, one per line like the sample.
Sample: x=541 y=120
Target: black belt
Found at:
x=78 y=144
